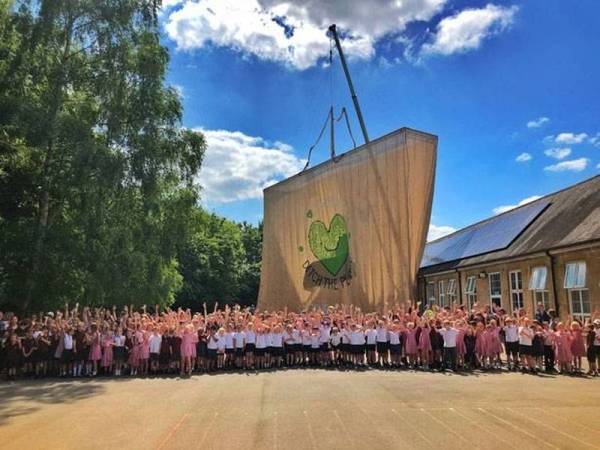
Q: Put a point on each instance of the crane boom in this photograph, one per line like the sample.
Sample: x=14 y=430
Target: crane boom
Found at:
x=363 y=127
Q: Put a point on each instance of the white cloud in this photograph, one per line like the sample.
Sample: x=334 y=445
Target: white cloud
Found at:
x=537 y=122
x=467 y=29
x=168 y=4
x=570 y=138
x=504 y=208
x=292 y=32
x=574 y=165
x=595 y=140
x=558 y=153
x=238 y=167
x=438 y=231
x=524 y=157
x=179 y=89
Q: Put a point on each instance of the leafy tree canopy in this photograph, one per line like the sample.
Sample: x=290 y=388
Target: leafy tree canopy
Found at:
x=96 y=173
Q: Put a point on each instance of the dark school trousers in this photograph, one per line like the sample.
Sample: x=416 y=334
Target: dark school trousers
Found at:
x=548 y=358
x=449 y=358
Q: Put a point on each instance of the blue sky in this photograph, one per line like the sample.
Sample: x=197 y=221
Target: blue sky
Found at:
x=510 y=88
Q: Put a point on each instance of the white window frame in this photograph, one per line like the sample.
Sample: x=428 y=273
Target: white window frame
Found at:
x=430 y=299
x=538 y=278
x=544 y=300
x=582 y=315
x=471 y=290
x=538 y=281
x=495 y=296
x=451 y=290
x=575 y=275
x=516 y=290
x=441 y=293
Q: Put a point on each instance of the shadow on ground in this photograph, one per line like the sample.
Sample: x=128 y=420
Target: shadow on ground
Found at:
x=26 y=397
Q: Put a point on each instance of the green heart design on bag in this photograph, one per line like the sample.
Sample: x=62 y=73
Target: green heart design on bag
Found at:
x=330 y=246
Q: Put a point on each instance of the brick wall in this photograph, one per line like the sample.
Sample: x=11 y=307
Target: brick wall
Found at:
x=590 y=255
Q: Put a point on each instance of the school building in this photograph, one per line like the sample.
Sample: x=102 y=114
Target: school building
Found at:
x=547 y=251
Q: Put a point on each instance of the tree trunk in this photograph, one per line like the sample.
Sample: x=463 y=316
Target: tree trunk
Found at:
x=44 y=199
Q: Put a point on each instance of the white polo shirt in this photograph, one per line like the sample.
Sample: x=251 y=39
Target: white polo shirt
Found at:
x=394 y=337
x=511 y=333
x=357 y=338
x=527 y=337
x=449 y=337
x=382 y=334
x=154 y=343
x=371 y=336
x=238 y=337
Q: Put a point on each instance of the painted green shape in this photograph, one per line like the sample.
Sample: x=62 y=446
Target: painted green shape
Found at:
x=330 y=246
x=300 y=248
x=309 y=214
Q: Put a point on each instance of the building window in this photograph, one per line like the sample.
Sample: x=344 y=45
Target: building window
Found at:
x=471 y=291
x=579 y=300
x=543 y=298
x=575 y=275
x=537 y=284
x=495 y=289
x=442 y=293
x=451 y=291
x=516 y=290
x=430 y=293
x=579 y=297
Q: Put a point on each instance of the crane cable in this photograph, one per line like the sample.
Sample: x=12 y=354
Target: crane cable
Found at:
x=345 y=114
x=316 y=142
x=330 y=115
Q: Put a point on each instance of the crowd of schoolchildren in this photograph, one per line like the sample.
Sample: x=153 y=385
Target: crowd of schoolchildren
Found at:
x=102 y=341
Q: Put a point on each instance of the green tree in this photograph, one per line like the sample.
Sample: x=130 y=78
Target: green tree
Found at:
x=96 y=173
x=250 y=276
x=220 y=262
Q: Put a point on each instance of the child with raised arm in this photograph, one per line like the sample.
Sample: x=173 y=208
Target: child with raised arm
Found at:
x=562 y=343
x=335 y=340
x=154 y=343
x=324 y=335
x=410 y=344
x=383 y=344
x=525 y=345
x=549 y=354
x=424 y=345
x=212 y=349
x=95 y=349
x=494 y=345
x=277 y=346
x=470 y=339
x=13 y=355
x=229 y=346
x=250 y=347
x=449 y=333
x=239 y=341
x=537 y=346
x=593 y=347
x=221 y=347
x=371 y=338
x=577 y=345
x=511 y=342
x=107 y=350
x=395 y=344
x=118 y=351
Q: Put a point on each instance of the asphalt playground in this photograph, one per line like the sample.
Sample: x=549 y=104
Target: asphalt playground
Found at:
x=304 y=409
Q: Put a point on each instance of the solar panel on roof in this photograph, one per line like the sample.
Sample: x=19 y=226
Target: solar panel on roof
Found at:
x=491 y=235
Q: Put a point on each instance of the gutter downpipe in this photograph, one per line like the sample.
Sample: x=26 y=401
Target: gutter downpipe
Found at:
x=554 y=290
x=460 y=292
